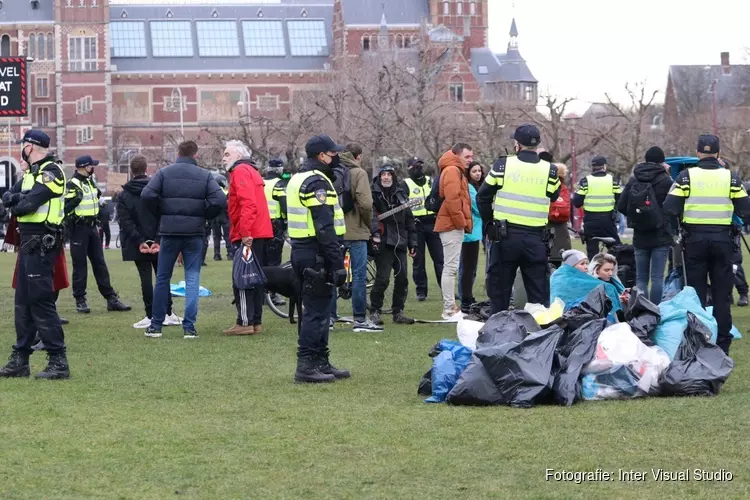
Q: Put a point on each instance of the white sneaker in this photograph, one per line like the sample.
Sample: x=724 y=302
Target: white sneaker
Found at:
x=452 y=315
x=144 y=323
x=172 y=320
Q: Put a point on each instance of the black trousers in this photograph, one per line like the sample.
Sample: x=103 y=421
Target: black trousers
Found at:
x=312 y=332
x=206 y=236
x=709 y=255
x=249 y=303
x=601 y=227
x=105 y=232
x=35 y=310
x=740 y=282
x=220 y=228
x=85 y=243
x=469 y=261
x=427 y=240
x=147 y=286
x=521 y=248
x=275 y=246
x=388 y=259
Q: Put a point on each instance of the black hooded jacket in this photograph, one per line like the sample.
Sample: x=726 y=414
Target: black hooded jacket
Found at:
x=661 y=182
x=397 y=230
x=137 y=223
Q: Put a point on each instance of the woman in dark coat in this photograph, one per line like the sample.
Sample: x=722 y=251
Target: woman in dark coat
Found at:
x=139 y=238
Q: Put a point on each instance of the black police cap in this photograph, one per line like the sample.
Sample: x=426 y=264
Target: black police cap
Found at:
x=35 y=137
x=708 y=144
x=598 y=161
x=322 y=144
x=414 y=160
x=527 y=135
x=86 y=161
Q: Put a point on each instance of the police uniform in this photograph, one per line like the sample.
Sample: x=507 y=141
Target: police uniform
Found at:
x=705 y=197
x=419 y=187
x=38 y=203
x=275 y=188
x=82 y=211
x=514 y=203
x=316 y=228
x=598 y=194
x=220 y=225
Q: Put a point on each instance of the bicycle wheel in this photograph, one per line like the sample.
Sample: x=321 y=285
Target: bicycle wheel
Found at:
x=117 y=240
x=387 y=295
x=278 y=311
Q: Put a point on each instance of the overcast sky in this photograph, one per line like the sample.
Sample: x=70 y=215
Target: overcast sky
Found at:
x=583 y=48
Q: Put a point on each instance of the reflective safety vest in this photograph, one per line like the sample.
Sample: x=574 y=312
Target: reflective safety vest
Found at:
x=421 y=193
x=274 y=208
x=298 y=203
x=709 y=202
x=224 y=190
x=600 y=196
x=89 y=206
x=51 y=212
x=523 y=198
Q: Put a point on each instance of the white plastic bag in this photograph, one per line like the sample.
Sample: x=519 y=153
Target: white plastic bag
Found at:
x=468 y=331
x=544 y=315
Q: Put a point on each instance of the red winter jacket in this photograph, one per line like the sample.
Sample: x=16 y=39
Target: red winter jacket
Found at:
x=559 y=210
x=248 y=208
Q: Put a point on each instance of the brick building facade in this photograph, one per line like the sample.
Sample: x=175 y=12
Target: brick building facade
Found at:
x=113 y=78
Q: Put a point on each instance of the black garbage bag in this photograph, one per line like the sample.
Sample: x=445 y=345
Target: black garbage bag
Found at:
x=596 y=305
x=642 y=315
x=475 y=387
x=521 y=371
x=506 y=326
x=699 y=368
x=574 y=350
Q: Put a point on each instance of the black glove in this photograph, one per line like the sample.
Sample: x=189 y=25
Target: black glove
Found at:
x=10 y=199
x=490 y=231
x=338 y=277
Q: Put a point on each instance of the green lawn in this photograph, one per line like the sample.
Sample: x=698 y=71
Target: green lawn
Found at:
x=220 y=418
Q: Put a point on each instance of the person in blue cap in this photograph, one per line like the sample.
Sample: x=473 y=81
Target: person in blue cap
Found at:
x=82 y=213
x=37 y=201
x=316 y=230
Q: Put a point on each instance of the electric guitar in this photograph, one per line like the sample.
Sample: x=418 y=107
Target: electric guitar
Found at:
x=409 y=204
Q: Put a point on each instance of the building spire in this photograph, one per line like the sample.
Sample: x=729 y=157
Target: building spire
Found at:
x=513 y=43
x=383 y=35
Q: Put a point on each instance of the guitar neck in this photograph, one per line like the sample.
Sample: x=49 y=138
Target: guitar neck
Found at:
x=398 y=209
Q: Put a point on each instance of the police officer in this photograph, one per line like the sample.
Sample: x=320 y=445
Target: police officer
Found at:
x=220 y=225
x=38 y=203
x=276 y=180
x=82 y=211
x=316 y=228
x=705 y=197
x=419 y=185
x=598 y=194
x=514 y=204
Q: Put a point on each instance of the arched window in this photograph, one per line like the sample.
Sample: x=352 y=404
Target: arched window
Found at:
x=407 y=41
x=460 y=8
x=366 y=43
x=446 y=8
x=31 y=46
x=40 y=46
x=5 y=46
x=473 y=8
x=50 y=46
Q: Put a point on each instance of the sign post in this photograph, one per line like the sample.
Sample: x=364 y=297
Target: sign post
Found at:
x=13 y=94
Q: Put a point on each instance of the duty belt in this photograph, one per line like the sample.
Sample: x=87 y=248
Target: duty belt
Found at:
x=86 y=221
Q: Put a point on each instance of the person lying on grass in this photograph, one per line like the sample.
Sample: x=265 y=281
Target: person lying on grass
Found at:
x=604 y=267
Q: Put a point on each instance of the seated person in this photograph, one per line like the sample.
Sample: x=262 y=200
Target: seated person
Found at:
x=576 y=278
x=604 y=267
x=576 y=259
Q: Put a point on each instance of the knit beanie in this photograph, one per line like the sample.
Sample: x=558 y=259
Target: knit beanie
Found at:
x=573 y=257
x=655 y=155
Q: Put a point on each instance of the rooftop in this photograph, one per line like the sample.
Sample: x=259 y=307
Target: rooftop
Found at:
x=397 y=12
x=20 y=12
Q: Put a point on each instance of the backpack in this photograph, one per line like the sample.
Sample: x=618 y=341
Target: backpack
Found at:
x=559 y=210
x=644 y=211
x=434 y=201
x=343 y=187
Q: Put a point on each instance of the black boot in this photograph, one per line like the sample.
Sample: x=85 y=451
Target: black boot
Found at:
x=743 y=301
x=57 y=367
x=309 y=373
x=325 y=366
x=63 y=321
x=114 y=304
x=217 y=257
x=18 y=365
x=82 y=306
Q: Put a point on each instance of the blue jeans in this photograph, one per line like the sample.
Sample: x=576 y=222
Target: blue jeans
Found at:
x=649 y=266
x=191 y=248
x=358 y=263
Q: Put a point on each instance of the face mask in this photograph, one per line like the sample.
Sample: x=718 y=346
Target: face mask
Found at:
x=416 y=172
x=25 y=156
x=90 y=171
x=335 y=161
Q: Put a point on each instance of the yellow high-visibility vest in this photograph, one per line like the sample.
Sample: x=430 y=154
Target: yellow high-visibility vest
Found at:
x=421 y=193
x=52 y=212
x=709 y=202
x=274 y=208
x=299 y=218
x=523 y=198
x=600 y=196
x=89 y=206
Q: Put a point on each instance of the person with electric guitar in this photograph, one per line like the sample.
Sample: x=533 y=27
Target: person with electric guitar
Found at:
x=393 y=234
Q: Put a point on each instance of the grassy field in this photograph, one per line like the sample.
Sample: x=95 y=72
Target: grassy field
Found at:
x=220 y=418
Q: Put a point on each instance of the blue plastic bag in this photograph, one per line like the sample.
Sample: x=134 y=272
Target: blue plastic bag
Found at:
x=178 y=290
x=572 y=286
x=446 y=368
x=246 y=272
x=669 y=332
x=619 y=382
x=673 y=284
x=734 y=331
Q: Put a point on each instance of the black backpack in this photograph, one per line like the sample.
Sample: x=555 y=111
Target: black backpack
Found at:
x=434 y=201
x=644 y=211
x=343 y=187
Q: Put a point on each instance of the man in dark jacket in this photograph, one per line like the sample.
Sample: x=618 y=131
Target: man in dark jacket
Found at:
x=652 y=237
x=105 y=217
x=139 y=238
x=184 y=196
x=391 y=237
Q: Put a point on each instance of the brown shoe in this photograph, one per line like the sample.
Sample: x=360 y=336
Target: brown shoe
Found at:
x=238 y=330
x=258 y=328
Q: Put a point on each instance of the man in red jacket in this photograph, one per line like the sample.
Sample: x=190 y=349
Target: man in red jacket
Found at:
x=249 y=226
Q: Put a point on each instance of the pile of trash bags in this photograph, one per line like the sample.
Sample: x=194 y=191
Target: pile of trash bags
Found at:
x=580 y=354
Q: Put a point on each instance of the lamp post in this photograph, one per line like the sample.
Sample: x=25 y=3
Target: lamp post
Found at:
x=177 y=93
x=243 y=107
x=571 y=119
x=712 y=90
